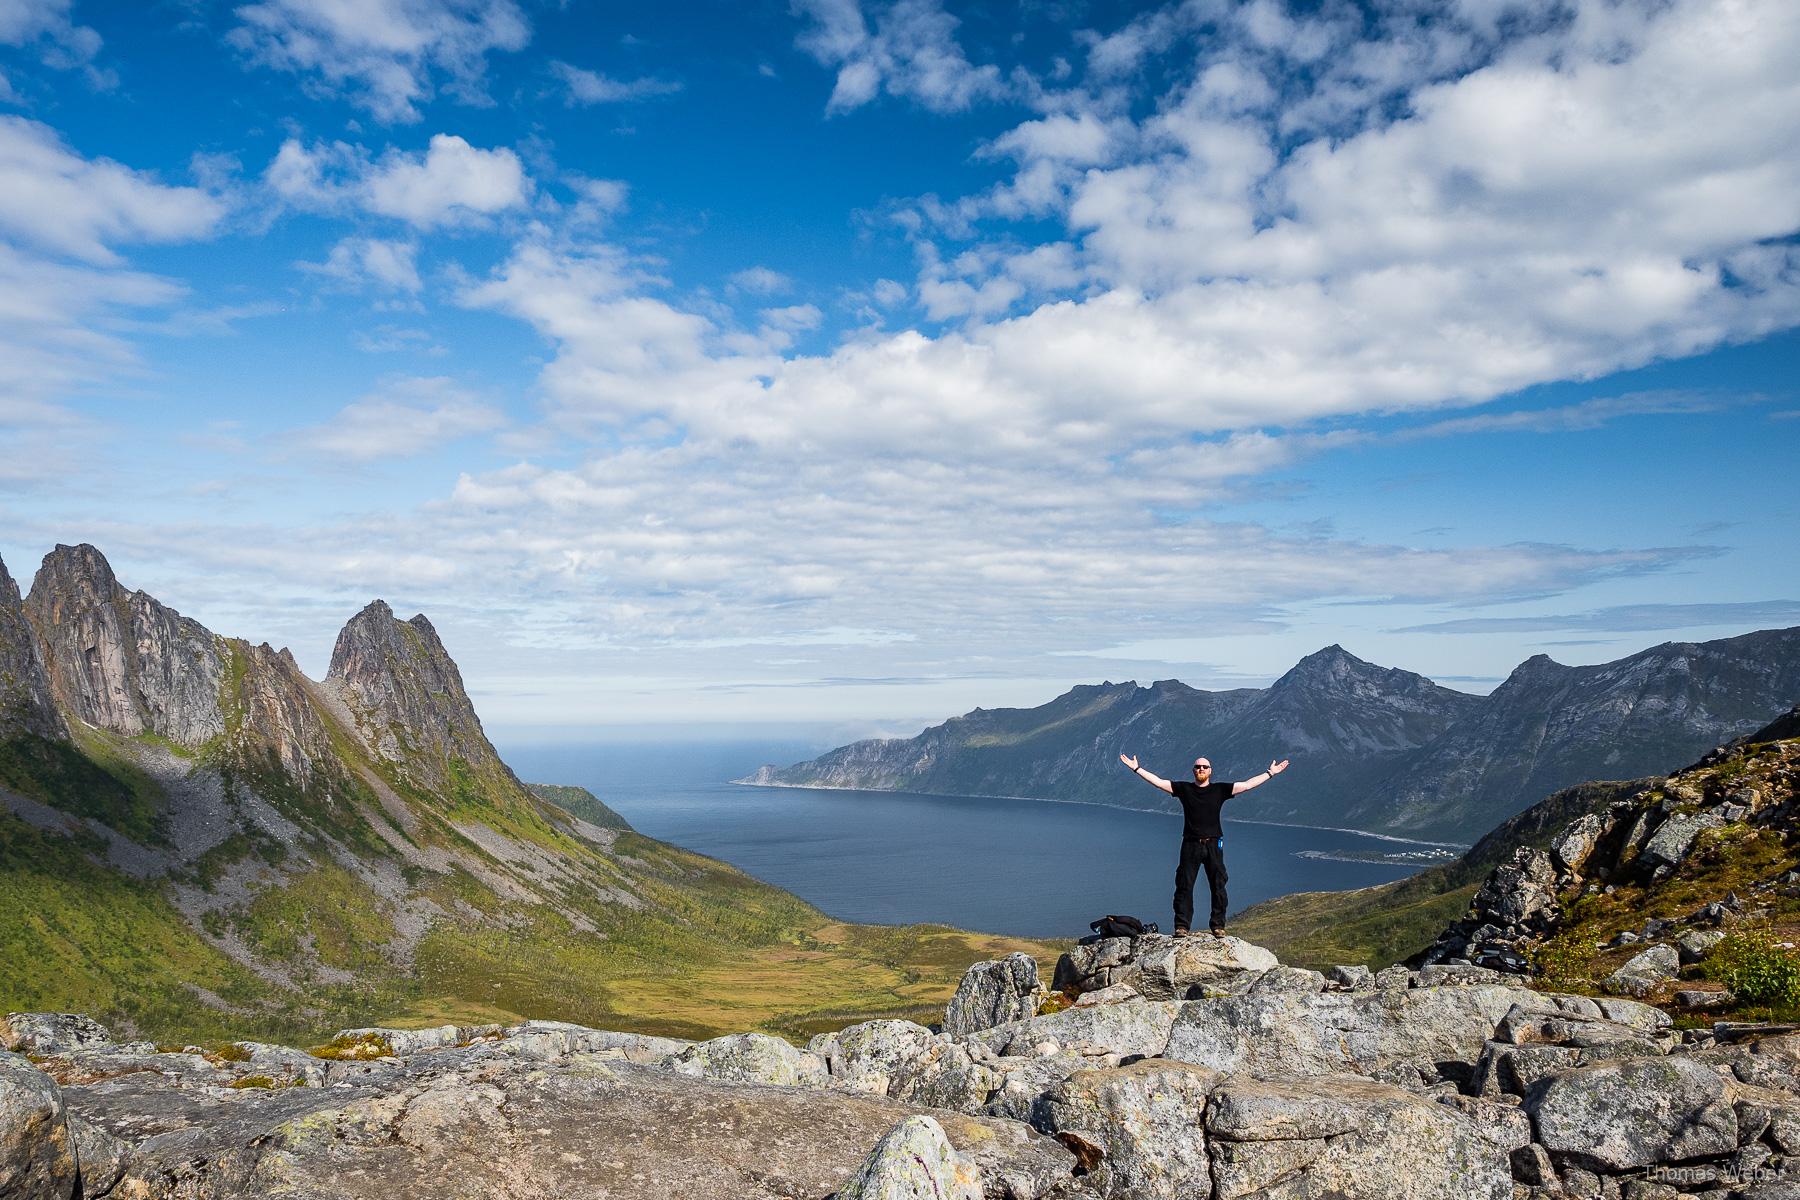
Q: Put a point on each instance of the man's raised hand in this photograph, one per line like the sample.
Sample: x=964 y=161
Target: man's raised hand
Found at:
x=1129 y=760
x=1276 y=768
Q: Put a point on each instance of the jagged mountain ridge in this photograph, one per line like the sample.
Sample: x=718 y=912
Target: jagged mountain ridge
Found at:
x=1383 y=750
x=196 y=836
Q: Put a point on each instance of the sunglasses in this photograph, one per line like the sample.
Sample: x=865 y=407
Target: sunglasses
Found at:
x=1202 y=766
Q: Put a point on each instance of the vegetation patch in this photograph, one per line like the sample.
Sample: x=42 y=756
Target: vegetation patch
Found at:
x=354 y=1047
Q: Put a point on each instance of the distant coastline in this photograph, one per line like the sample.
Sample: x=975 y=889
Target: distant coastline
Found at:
x=748 y=781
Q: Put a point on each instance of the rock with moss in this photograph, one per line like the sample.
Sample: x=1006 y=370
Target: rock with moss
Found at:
x=912 y=1161
x=866 y=1057
x=1146 y=1121
x=994 y=993
x=1346 y=1138
x=1645 y=972
x=1138 y=1027
x=751 y=1058
x=1634 y=1113
x=50 y=1033
x=37 y=1151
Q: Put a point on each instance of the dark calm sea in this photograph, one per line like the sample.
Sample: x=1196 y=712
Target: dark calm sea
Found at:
x=1025 y=867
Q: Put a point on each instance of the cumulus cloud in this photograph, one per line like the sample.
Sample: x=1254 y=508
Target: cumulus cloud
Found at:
x=64 y=203
x=46 y=26
x=361 y=261
x=761 y=281
x=405 y=418
x=586 y=87
x=388 y=56
x=911 y=52
x=451 y=183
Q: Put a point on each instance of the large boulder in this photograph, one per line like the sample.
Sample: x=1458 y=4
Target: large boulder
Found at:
x=866 y=1057
x=1673 y=840
x=994 y=993
x=1139 y=1027
x=50 y=1033
x=751 y=1058
x=1574 y=845
x=914 y=1161
x=37 y=1151
x=1163 y=968
x=1388 y=1034
x=1347 y=1139
x=1633 y=1113
x=1144 y=1120
x=1519 y=892
x=1645 y=971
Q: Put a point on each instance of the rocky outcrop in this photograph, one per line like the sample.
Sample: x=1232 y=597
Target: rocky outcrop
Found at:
x=1159 y=966
x=1643 y=839
x=122 y=661
x=994 y=993
x=26 y=703
x=1435 y=1084
x=408 y=700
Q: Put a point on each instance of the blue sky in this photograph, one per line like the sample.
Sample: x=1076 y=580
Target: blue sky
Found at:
x=861 y=363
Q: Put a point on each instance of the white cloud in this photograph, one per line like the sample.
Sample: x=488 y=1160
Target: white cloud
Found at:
x=912 y=52
x=407 y=417
x=46 y=24
x=451 y=183
x=761 y=281
x=360 y=261
x=387 y=55
x=591 y=87
x=71 y=205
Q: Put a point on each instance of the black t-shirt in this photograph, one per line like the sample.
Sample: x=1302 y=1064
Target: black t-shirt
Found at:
x=1200 y=807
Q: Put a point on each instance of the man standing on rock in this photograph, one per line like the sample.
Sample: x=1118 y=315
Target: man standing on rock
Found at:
x=1202 y=840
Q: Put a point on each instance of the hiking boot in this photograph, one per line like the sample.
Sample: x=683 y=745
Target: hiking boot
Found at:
x=1217 y=931
x=1181 y=933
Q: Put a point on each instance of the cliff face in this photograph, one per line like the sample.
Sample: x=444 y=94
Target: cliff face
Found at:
x=121 y=661
x=407 y=696
x=1374 y=748
x=26 y=703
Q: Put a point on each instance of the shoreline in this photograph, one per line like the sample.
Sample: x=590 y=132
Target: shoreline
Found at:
x=831 y=787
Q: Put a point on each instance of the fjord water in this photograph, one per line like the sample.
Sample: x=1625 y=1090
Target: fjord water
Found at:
x=1029 y=868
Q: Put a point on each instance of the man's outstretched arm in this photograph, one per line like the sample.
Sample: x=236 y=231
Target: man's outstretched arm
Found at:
x=1131 y=761
x=1244 y=785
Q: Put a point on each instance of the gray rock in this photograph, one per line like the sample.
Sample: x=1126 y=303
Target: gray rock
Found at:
x=1172 y=968
x=914 y=1161
x=948 y=1076
x=994 y=993
x=1574 y=845
x=1349 y=1138
x=476 y=1122
x=1364 y=1033
x=1462 y=975
x=1146 y=1119
x=751 y=1058
x=50 y=1033
x=547 y=1040
x=866 y=1057
x=1696 y=943
x=1634 y=1113
x=1118 y=993
x=100 y=1155
x=1393 y=978
x=1674 y=839
x=1285 y=979
x=1519 y=892
x=1351 y=977
x=37 y=1151
x=1140 y=1027
x=1645 y=972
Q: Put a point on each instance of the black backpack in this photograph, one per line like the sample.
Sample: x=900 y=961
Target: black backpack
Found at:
x=1116 y=926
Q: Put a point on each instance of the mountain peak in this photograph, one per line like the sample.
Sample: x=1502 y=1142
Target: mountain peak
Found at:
x=1329 y=665
x=406 y=693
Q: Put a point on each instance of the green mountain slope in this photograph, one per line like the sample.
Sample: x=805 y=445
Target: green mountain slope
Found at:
x=196 y=841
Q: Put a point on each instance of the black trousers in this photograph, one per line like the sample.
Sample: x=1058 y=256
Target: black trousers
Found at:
x=1197 y=853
